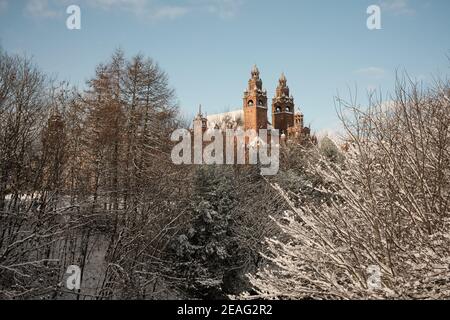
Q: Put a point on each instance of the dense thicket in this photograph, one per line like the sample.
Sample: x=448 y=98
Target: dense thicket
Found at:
x=381 y=226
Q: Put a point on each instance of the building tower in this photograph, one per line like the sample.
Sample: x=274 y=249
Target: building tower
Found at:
x=255 y=103
x=298 y=120
x=200 y=121
x=297 y=130
x=283 y=107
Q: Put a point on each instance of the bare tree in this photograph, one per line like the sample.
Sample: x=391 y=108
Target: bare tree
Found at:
x=385 y=208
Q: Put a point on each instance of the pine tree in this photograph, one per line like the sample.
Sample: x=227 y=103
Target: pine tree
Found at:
x=206 y=248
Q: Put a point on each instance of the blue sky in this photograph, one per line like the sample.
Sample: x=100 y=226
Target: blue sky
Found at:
x=209 y=46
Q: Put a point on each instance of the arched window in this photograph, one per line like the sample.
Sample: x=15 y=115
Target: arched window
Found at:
x=250 y=103
x=288 y=109
x=278 y=110
x=260 y=103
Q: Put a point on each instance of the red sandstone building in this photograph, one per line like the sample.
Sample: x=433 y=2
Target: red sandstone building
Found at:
x=254 y=112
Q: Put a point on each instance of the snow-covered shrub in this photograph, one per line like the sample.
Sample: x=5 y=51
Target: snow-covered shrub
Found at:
x=386 y=209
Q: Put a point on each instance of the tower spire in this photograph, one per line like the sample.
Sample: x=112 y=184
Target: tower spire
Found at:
x=200 y=121
x=283 y=107
x=255 y=103
x=199 y=115
x=255 y=71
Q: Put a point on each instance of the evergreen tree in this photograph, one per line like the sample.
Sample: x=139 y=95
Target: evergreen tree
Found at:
x=206 y=248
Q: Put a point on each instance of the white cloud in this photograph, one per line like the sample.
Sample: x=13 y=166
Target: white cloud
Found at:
x=170 y=12
x=159 y=9
x=223 y=8
x=398 y=7
x=129 y=5
x=41 y=9
x=152 y=10
x=372 y=72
